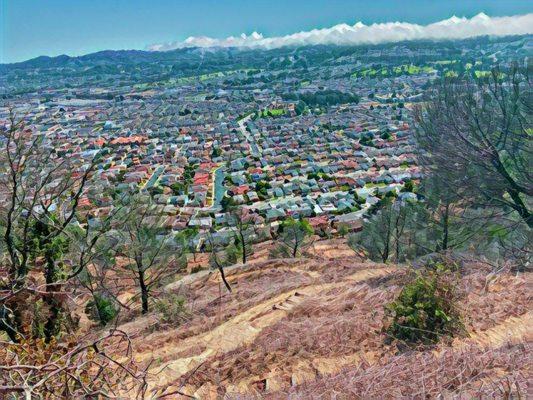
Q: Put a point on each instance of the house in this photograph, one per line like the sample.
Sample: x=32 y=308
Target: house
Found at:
x=253 y=196
x=274 y=214
x=320 y=222
x=239 y=190
x=201 y=222
x=353 y=220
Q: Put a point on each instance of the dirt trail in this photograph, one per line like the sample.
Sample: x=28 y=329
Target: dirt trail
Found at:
x=513 y=330
x=234 y=272
x=326 y=250
x=242 y=329
x=303 y=371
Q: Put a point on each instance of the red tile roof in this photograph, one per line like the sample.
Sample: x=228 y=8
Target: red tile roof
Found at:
x=240 y=189
x=128 y=140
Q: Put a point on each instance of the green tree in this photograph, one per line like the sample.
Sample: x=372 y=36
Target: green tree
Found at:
x=101 y=309
x=343 y=230
x=185 y=239
x=300 y=107
x=217 y=152
x=294 y=237
x=227 y=203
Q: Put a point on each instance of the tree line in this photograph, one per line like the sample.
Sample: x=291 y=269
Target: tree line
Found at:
x=326 y=97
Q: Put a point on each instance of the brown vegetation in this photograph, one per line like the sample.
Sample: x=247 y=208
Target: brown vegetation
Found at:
x=313 y=328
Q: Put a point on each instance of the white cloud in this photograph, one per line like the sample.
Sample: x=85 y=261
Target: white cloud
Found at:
x=344 y=34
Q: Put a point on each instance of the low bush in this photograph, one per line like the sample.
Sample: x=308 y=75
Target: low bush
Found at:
x=172 y=310
x=101 y=309
x=425 y=310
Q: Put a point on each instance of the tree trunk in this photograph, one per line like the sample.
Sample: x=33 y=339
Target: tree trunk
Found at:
x=295 y=249
x=520 y=207
x=397 y=236
x=224 y=278
x=7 y=325
x=144 y=291
x=386 y=247
x=53 y=303
x=385 y=255
x=445 y=227
x=513 y=190
x=243 y=246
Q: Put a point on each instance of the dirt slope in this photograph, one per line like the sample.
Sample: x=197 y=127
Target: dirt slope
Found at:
x=312 y=328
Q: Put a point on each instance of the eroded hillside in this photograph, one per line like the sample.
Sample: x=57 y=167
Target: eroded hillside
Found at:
x=313 y=328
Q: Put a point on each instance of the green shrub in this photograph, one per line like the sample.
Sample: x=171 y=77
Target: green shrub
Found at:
x=343 y=229
x=425 y=309
x=408 y=187
x=232 y=253
x=101 y=309
x=172 y=309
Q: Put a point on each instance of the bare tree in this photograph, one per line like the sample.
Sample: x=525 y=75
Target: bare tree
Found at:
x=244 y=224
x=475 y=136
x=46 y=244
x=93 y=244
x=99 y=277
x=377 y=237
x=148 y=251
x=80 y=368
x=452 y=221
x=40 y=194
x=219 y=258
x=397 y=230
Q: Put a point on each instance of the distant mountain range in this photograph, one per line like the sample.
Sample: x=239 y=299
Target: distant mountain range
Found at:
x=114 y=57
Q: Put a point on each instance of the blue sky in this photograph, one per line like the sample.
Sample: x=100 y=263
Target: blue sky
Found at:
x=29 y=28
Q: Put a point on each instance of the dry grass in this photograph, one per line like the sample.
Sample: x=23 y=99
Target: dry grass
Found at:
x=313 y=328
x=469 y=373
